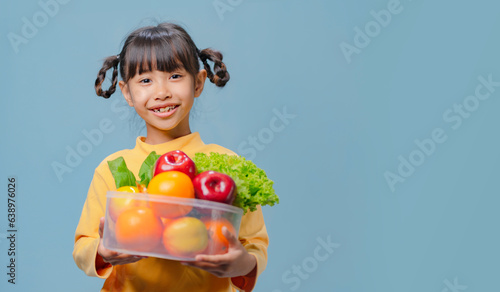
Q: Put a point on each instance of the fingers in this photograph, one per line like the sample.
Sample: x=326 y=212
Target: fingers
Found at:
x=105 y=253
x=210 y=261
x=215 y=259
x=111 y=256
x=108 y=254
x=116 y=258
x=101 y=226
x=236 y=262
x=201 y=265
x=123 y=259
x=231 y=238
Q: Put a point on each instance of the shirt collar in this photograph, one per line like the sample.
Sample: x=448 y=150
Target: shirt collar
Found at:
x=189 y=140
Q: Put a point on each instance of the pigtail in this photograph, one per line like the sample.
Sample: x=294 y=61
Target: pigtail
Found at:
x=109 y=62
x=221 y=76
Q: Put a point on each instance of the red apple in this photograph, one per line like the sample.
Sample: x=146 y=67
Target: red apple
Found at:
x=175 y=160
x=214 y=186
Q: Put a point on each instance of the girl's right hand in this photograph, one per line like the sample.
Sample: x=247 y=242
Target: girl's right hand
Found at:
x=112 y=257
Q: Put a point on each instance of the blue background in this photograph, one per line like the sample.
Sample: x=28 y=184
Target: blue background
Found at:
x=353 y=117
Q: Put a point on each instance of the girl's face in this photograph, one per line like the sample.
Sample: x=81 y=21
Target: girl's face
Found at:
x=163 y=100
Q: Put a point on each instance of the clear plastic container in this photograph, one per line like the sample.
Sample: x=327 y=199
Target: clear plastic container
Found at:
x=167 y=227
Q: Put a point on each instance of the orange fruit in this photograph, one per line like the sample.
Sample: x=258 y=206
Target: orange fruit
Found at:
x=185 y=237
x=174 y=184
x=218 y=242
x=118 y=205
x=138 y=228
x=165 y=221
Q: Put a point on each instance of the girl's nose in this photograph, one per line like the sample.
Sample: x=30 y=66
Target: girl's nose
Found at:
x=163 y=92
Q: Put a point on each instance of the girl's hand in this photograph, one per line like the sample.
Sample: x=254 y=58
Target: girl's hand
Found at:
x=112 y=257
x=236 y=262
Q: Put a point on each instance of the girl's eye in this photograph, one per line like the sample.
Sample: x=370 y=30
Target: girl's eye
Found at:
x=145 y=80
x=175 y=76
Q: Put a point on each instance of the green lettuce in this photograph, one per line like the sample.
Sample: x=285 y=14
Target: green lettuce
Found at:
x=253 y=187
x=122 y=175
x=146 y=171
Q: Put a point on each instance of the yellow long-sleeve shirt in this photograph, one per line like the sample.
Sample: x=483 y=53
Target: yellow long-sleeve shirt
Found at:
x=154 y=274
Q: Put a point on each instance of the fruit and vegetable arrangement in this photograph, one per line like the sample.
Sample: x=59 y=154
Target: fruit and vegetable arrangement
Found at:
x=179 y=206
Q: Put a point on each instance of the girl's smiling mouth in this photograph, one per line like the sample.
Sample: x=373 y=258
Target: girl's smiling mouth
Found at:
x=164 y=111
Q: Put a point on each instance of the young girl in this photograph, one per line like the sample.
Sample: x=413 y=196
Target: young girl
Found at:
x=161 y=77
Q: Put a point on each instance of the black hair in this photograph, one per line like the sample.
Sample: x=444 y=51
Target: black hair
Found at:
x=165 y=47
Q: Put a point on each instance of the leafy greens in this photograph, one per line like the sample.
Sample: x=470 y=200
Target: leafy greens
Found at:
x=253 y=187
x=122 y=175
x=146 y=171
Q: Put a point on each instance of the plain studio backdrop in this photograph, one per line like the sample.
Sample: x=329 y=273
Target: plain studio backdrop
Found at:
x=377 y=121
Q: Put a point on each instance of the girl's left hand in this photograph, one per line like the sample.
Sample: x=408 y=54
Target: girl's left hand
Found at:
x=236 y=262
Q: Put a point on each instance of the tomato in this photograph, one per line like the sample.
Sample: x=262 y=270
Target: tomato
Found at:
x=138 y=228
x=185 y=237
x=218 y=242
x=174 y=184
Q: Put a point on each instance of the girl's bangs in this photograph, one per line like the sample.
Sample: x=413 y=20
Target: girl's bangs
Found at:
x=160 y=53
